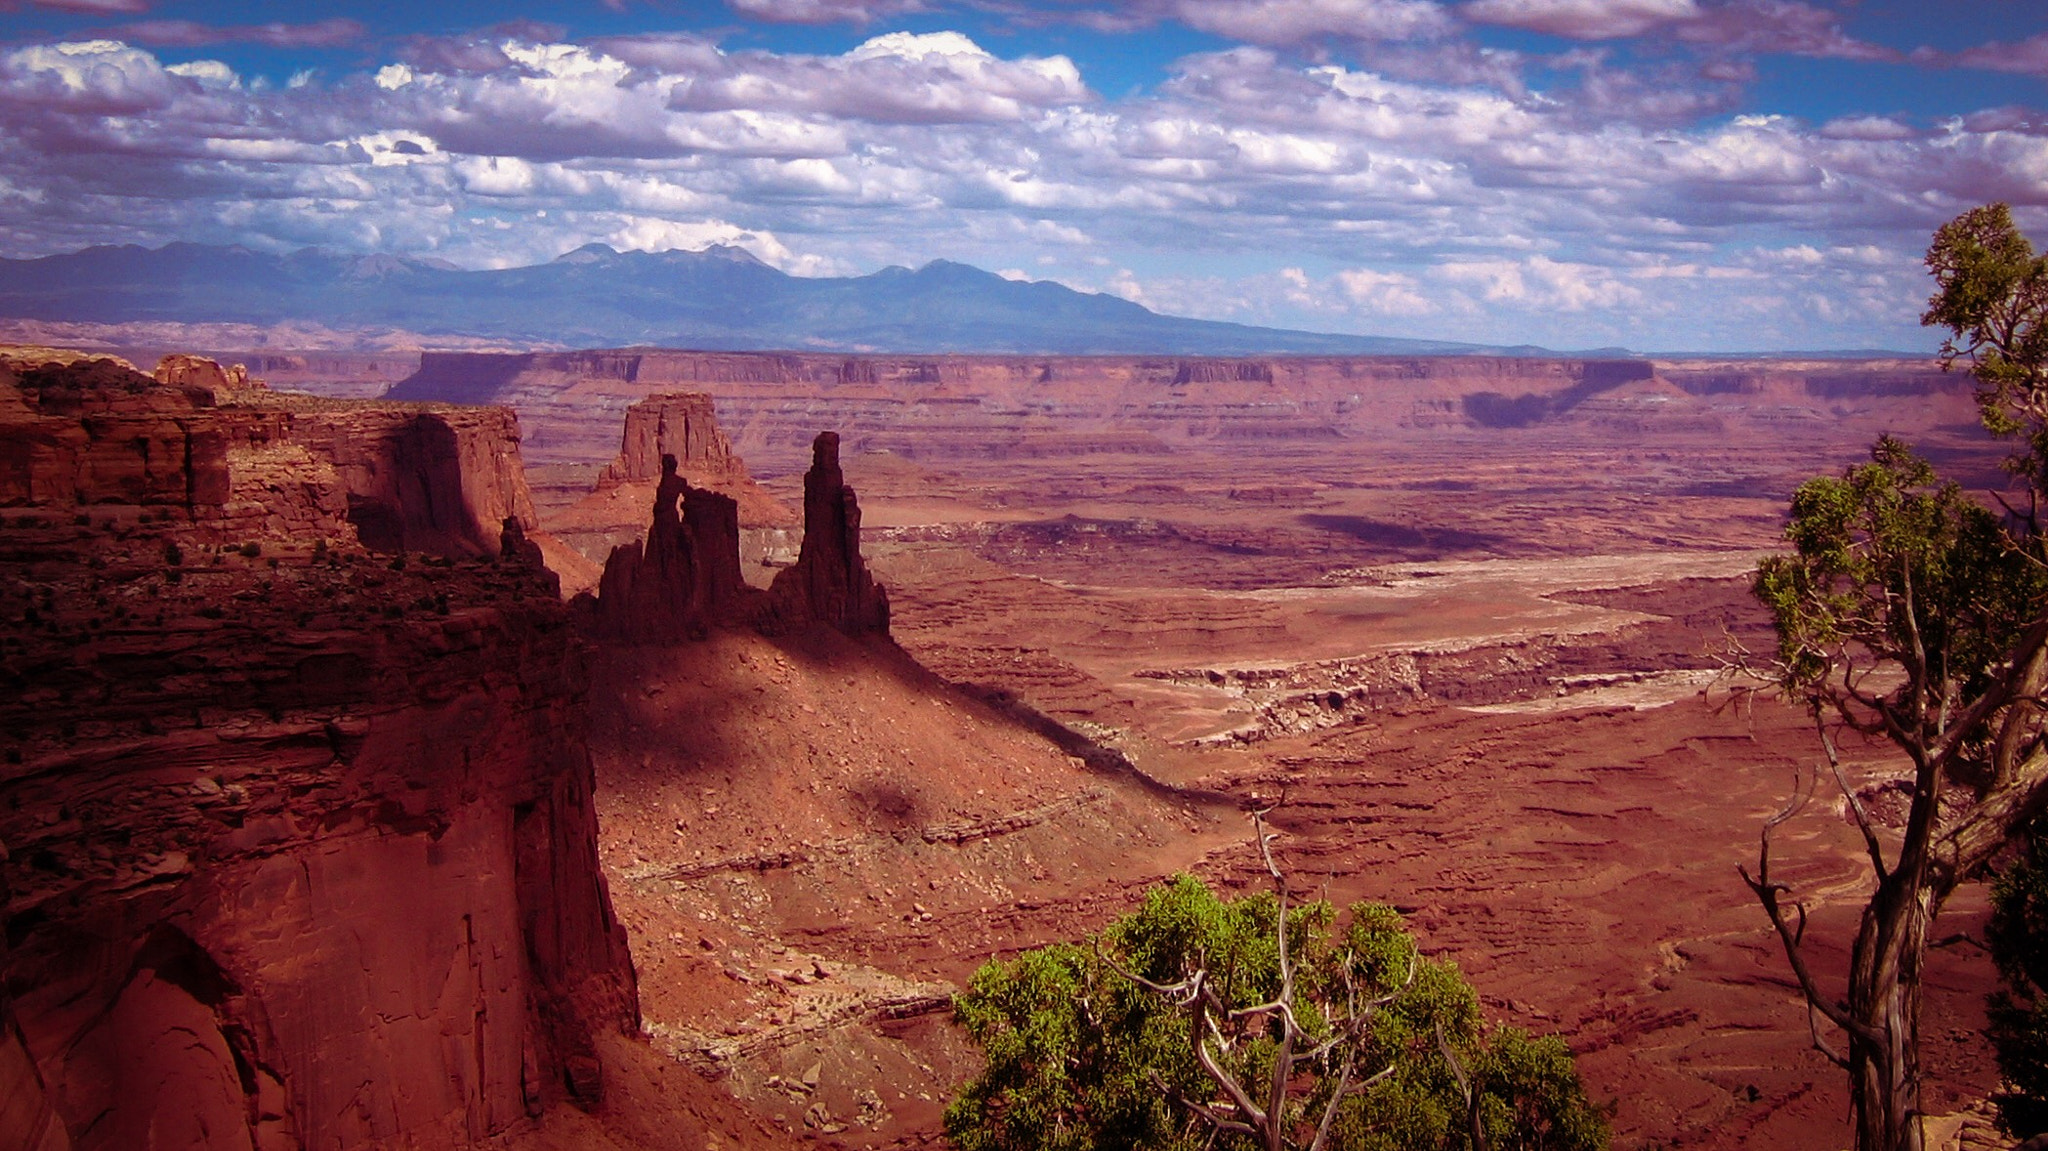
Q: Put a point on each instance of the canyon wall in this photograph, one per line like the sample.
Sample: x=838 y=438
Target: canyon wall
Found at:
x=297 y=844
x=421 y=478
x=937 y=407
x=229 y=459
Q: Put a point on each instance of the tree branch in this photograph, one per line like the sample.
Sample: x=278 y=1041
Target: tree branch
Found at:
x=1870 y=843
x=1767 y=894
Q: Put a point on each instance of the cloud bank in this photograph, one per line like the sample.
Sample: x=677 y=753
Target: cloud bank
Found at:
x=1416 y=183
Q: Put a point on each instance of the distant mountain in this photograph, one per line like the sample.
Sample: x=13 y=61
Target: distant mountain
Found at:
x=721 y=298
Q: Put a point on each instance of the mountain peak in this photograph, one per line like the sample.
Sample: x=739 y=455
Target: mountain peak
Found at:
x=730 y=252
x=590 y=253
x=720 y=296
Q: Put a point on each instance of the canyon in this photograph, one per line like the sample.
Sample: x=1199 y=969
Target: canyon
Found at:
x=589 y=801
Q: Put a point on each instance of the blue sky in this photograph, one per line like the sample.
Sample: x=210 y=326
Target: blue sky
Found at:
x=1664 y=174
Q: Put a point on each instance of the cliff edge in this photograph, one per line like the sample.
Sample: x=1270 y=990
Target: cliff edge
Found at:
x=297 y=841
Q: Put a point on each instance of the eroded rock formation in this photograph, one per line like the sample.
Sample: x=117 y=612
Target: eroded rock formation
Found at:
x=683 y=426
x=830 y=582
x=297 y=844
x=678 y=424
x=431 y=478
x=187 y=372
x=685 y=578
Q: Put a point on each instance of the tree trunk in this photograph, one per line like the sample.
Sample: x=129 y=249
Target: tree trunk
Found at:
x=1884 y=997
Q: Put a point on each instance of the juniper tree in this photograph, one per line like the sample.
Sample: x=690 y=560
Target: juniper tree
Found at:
x=1912 y=614
x=1201 y=1022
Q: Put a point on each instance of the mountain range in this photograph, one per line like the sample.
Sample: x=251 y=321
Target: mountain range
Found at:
x=720 y=298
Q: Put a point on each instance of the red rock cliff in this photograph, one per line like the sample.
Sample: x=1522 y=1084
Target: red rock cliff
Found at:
x=297 y=845
x=996 y=407
x=234 y=460
x=427 y=478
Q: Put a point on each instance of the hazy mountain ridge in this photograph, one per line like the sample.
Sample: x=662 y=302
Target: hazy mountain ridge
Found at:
x=720 y=298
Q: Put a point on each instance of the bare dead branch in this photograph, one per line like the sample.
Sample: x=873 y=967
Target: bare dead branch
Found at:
x=1475 y=1128
x=1856 y=808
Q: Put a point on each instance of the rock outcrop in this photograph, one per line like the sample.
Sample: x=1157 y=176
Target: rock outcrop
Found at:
x=684 y=578
x=187 y=372
x=234 y=461
x=682 y=426
x=830 y=582
x=430 y=478
x=297 y=842
x=678 y=424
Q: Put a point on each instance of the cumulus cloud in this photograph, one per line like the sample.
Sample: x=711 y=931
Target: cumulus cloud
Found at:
x=1385 y=293
x=95 y=7
x=1782 y=26
x=91 y=78
x=1541 y=282
x=656 y=234
x=1609 y=203
x=901 y=77
x=1867 y=128
x=2028 y=57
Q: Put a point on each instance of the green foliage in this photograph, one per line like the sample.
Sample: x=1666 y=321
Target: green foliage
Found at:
x=1992 y=295
x=1911 y=613
x=1892 y=566
x=2018 y=934
x=1081 y=1057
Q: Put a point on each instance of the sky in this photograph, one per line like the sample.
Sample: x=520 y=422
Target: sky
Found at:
x=1665 y=175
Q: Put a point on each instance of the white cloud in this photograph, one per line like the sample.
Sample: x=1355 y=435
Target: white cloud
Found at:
x=1867 y=128
x=1582 y=19
x=1607 y=207
x=208 y=73
x=823 y=11
x=1126 y=284
x=2029 y=56
x=1543 y=283
x=654 y=234
x=1301 y=21
x=937 y=77
x=1385 y=293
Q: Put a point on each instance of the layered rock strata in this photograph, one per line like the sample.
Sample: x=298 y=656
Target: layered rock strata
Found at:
x=229 y=459
x=421 y=478
x=297 y=843
x=1013 y=407
x=678 y=424
x=684 y=578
